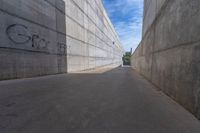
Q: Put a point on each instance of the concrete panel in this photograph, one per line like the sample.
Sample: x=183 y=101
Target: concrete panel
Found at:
x=148 y=42
x=80 y=3
x=170 y=49
x=91 y=38
x=179 y=25
x=91 y=35
x=160 y=4
x=21 y=64
x=149 y=16
x=36 y=11
x=60 y=22
x=177 y=73
x=67 y=34
x=92 y=62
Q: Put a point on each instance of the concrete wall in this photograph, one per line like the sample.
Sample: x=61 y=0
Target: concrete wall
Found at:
x=169 y=53
x=92 y=41
x=40 y=37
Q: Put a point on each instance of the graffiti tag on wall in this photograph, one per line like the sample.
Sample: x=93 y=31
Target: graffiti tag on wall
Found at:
x=19 y=34
x=22 y=37
x=62 y=48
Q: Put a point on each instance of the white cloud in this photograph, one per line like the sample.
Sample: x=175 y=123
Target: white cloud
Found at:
x=126 y=16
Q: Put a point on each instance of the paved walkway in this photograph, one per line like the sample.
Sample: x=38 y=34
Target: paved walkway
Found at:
x=117 y=101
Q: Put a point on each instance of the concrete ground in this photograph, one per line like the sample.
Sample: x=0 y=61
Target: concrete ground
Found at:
x=116 y=101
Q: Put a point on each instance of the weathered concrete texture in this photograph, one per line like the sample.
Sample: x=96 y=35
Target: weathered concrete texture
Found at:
x=90 y=103
x=55 y=36
x=169 y=52
x=29 y=41
x=92 y=40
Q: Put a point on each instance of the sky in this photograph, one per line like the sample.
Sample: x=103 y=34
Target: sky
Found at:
x=126 y=16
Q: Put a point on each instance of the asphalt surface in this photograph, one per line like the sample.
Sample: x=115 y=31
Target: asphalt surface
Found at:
x=117 y=101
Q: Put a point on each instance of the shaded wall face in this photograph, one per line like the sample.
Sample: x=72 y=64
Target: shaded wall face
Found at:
x=31 y=42
x=151 y=10
x=40 y=37
x=170 y=49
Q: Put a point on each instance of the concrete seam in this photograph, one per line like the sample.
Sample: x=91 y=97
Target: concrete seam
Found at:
x=155 y=20
x=26 y=50
x=158 y=15
x=179 y=45
x=111 y=26
x=83 y=13
x=20 y=50
x=81 y=25
x=43 y=26
x=154 y=41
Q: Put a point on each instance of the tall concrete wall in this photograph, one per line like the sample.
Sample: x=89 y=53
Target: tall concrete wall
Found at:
x=40 y=37
x=92 y=40
x=169 y=53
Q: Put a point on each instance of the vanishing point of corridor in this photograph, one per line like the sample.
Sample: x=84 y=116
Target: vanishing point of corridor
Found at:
x=115 y=101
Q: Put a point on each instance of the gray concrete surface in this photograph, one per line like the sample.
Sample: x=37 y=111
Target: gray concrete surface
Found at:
x=116 y=101
x=41 y=37
x=169 y=52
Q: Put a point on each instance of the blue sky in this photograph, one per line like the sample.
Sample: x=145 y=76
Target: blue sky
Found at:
x=126 y=16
